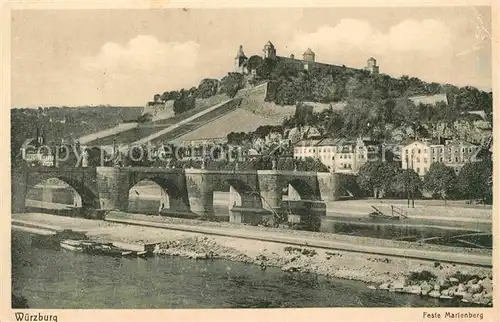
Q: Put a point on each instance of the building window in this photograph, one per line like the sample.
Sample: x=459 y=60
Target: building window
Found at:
x=418 y=170
x=456 y=159
x=418 y=159
x=425 y=160
x=425 y=150
x=433 y=150
x=406 y=151
x=441 y=159
x=419 y=151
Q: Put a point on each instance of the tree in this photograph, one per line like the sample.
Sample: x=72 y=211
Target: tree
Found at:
x=440 y=180
x=408 y=181
x=207 y=88
x=185 y=103
x=286 y=164
x=310 y=164
x=377 y=177
x=474 y=181
x=231 y=84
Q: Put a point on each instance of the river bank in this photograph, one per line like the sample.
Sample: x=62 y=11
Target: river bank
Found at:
x=384 y=272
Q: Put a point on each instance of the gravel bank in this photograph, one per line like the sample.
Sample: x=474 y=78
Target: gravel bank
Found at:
x=384 y=272
x=304 y=234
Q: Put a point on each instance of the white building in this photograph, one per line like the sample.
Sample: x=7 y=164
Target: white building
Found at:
x=305 y=148
x=419 y=155
x=339 y=155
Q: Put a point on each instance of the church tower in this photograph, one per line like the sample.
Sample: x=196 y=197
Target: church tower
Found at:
x=240 y=61
x=269 y=51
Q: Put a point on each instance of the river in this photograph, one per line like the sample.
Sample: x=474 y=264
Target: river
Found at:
x=57 y=279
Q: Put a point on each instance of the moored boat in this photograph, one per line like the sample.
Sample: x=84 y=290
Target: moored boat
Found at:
x=73 y=245
x=108 y=250
x=143 y=254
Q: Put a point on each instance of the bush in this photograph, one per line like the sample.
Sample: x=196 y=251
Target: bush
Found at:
x=421 y=276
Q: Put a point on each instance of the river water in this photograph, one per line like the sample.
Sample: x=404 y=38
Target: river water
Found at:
x=58 y=279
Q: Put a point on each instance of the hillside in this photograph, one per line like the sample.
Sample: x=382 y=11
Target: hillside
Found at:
x=141 y=131
x=66 y=122
x=252 y=113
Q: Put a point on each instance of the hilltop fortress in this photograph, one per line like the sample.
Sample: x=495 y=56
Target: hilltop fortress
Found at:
x=245 y=65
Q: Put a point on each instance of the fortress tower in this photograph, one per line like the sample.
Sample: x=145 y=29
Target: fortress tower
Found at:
x=269 y=51
x=309 y=56
x=371 y=66
x=240 y=61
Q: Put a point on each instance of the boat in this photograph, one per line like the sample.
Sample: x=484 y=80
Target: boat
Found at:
x=93 y=247
x=73 y=245
x=143 y=254
x=379 y=214
x=108 y=250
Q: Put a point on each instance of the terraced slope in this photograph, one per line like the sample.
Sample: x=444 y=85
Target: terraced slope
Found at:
x=135 y=132
x=252 y=113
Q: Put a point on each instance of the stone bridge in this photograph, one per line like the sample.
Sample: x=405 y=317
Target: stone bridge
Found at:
x=187 y=190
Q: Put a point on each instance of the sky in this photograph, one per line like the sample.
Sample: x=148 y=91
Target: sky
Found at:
x=124 y=57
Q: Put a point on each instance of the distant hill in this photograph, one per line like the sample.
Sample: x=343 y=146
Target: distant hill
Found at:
x=66 y=122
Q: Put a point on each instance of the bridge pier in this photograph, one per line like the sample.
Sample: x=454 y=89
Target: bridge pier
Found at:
x=329 y=186
x=201 y=197
x=113 y=187
x=19 y=189
x=177 y=205
x=269 y=189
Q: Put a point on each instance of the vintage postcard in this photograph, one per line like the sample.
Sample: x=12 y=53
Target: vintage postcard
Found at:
x=335 y=158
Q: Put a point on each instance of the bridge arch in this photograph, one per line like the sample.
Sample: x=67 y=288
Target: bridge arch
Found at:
x=59 y=191
x=156 y=194
x=241 y=194
x=300 y=189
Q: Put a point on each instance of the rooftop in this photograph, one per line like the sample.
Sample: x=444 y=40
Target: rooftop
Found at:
x=429 y=99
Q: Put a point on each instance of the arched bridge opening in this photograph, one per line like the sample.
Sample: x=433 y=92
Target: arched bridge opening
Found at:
x=299 y=189
x=157 y=195
x=60 y=195
x=232 y=195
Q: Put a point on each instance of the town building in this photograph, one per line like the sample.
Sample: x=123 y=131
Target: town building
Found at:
x=305 y=149
x=429 y=99
x=339 y=155
x=420 y=155
x=458 y=153
x=36 y=152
